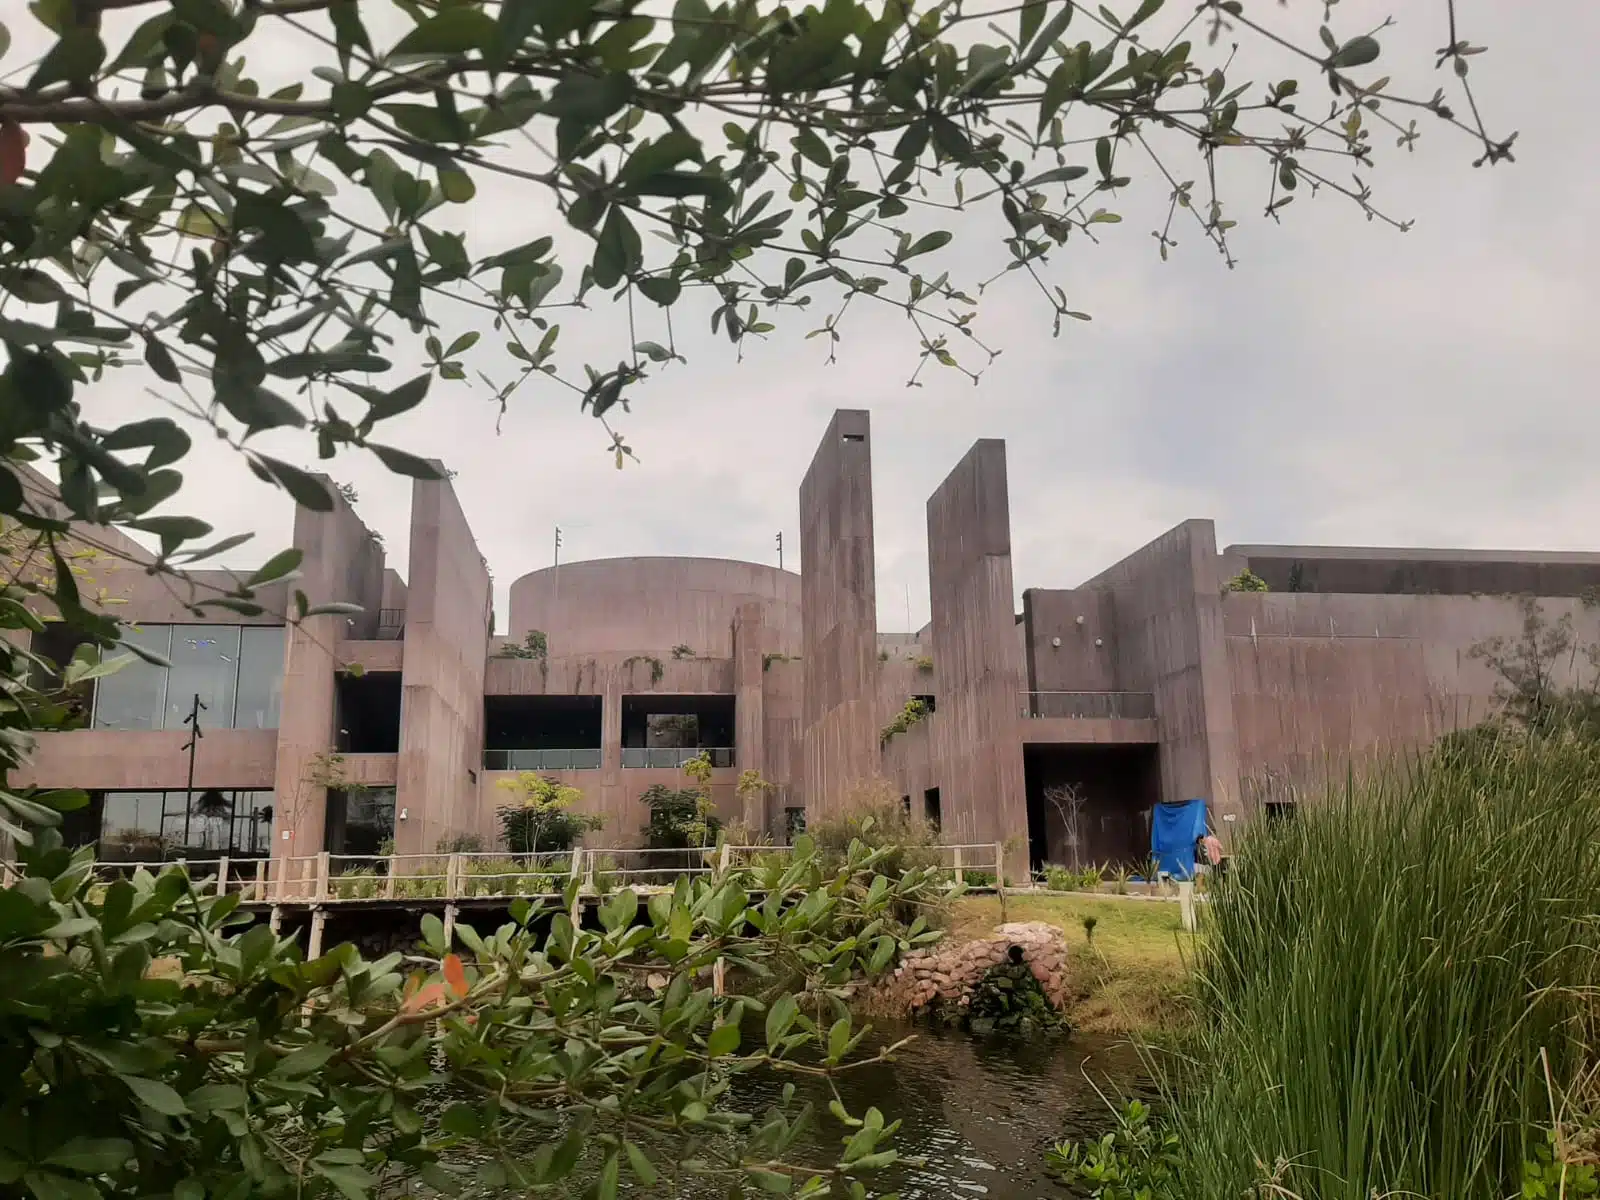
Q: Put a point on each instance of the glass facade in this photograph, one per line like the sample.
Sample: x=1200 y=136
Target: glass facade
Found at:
x=236 y=671
x=158 y=826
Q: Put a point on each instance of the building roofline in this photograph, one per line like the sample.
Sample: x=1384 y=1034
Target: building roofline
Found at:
x=1412 y=554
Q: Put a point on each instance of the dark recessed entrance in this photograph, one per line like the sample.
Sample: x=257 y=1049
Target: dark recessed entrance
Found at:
x=1090 y=805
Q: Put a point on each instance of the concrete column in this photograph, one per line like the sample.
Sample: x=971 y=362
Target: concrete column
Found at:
x=446 y=648
x=342 y=563
x=749 y=708
x=976 y=652
x=839 y=617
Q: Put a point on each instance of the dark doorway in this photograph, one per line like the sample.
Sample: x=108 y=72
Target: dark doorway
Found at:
x=930 y=806
x=1090 y=805
x=542 y=733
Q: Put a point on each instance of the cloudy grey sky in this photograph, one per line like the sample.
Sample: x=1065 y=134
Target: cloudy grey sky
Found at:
x=1345 y=384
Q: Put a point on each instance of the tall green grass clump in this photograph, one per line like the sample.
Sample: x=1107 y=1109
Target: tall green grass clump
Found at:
x=1396 y=987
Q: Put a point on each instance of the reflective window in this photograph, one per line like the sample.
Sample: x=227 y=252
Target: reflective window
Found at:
x=130 y=827
x=205 y=664
x=135 y=695
x=237 y=672
x=210 y=823
x=260 y=677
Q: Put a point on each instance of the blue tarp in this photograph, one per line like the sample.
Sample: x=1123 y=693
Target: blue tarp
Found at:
x=1176 y=827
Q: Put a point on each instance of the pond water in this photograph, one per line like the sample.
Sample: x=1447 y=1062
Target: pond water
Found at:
x=979 y=1112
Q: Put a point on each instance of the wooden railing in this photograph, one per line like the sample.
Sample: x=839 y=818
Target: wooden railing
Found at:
x=328 y=878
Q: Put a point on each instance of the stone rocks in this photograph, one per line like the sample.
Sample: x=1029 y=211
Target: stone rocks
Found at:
x=947 y=974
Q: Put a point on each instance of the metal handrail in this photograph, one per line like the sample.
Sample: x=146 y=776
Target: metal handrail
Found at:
x=1113 y=706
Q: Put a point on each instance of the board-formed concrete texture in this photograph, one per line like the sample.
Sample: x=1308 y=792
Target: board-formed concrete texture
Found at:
x=1149 y=680
x=977 y=724
x=839 y=617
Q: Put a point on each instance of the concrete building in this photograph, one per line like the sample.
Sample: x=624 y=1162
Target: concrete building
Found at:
x=1058 y=726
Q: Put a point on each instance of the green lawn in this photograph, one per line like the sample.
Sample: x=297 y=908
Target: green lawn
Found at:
x=1131 y=980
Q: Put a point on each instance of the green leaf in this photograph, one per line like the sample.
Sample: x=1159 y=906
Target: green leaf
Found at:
x=303 y=1061
x=640 y=1165
x=1030 y=20
x=1102 y=156
x=1357 y=52
x=74 y=59
x=606 y=1186
x=352 y=1181
x=154 y=1094
x=306 y=490
x=927 y=243
x=780 y=1018
x=770 y=1182
x=457 y=186
x=618 y=250
x=1057 y=175
x=160 y=360
x=402 y=463
x=277 y=567
x=724 y=1039
x=453 y=31
x=92 y=1156
x=1144 y=12
x=514 y=25
x=663 y=289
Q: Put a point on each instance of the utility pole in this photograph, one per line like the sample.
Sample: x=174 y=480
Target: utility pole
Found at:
x=558 y=546
x=780 y=549
x=193 y=723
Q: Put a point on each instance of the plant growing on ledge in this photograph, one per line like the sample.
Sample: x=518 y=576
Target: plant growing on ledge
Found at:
x=915 y=710
x=657 y=668
x=680 y=819
x=775 y=657
x=543 y=818
x=681 y=651
x=924 y=664
x=533 y=645
x=1246 y=581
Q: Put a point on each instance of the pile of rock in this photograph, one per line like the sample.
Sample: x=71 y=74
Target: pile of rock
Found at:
x=947 y=974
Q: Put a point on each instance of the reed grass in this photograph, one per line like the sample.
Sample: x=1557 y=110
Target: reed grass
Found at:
x=1396 y=988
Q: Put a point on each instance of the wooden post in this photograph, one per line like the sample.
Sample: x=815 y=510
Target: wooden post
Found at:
x=259 y=892
x=449 y=925
x=388 y=882
x=999 y=864
x=222 y=875
x=323 y=866
x=275 y=920
x=452 y=882
x=719 y=981
x=1186 y=904
x=319 y=919
x=959 y=875
x=723 y=859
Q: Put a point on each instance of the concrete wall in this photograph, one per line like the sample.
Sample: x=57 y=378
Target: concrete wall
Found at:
x=1372 y=570
x=650 y=605
x=129 y=760
x=1168 y=606
x=1077 y=664
x=977 y=748
x=446 y=642
x=1321 y=681
x=342 y=563
x=840 y=616
x=782 y=684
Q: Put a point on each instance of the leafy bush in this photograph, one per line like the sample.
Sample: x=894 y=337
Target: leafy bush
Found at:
x=680 y=818
x=543 y=818
x=1065 y=879
x=914 y=710
x=1137 y=1160
x=248 y=1071
x=878 y=820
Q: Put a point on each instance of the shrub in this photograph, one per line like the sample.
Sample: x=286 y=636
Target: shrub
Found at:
x=542 y=819
x=878 y=819
x=680 y=818
x=459 y=843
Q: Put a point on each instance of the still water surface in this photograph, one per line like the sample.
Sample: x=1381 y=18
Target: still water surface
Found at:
x=980 y=1112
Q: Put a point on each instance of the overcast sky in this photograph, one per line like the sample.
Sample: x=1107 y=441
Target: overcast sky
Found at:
x=1344 y=384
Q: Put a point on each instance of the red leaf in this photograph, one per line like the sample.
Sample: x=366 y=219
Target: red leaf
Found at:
x=425 y=998
x=455 y=974
x=13 y=151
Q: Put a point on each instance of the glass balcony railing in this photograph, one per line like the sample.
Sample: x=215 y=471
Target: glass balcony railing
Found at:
x=672 y=757
x=542 y=760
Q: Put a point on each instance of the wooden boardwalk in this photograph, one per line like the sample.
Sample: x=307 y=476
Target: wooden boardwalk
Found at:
x=451 y=885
